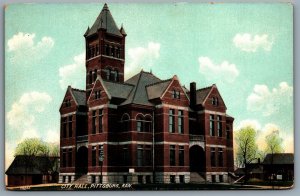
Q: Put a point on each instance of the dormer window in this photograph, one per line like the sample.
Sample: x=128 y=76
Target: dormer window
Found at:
x=214 y=101
x=97 y=94
x=175 y=94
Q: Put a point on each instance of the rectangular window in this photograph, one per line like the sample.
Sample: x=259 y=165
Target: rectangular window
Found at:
x=171 y=121
x=100 y=153
x=172 y=178
x=228 y=132
x=148 y=158
x=64 y=161
x=219 y=119
x=94 y=122
x=139 y=155
x=100 y=119
x=140 y=179
x=211 y=125
x=172 y=155
x=181 y=155
x=221 y=179
x=125 y=157
x=64 y=127
x=213 y=178
x=94 y=156
x=181 y=178
x=180 y=121
x=90 y=77
x=70 y=126
x=220 y=157
x=213 y=157
x=70 y=157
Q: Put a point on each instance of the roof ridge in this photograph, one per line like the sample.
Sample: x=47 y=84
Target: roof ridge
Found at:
x=118 y=82
x=204 y=88
x=162 y=81
x=76 y=89
x=140 y=75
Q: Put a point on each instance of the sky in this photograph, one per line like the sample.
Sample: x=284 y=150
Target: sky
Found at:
x=245 y=49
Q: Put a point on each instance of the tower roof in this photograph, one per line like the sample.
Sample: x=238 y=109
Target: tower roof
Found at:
x=104 y=21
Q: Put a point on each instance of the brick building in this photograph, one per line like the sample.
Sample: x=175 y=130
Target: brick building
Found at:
x=141 y=130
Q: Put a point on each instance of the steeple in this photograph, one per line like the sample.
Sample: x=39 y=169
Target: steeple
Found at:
x=105 y=21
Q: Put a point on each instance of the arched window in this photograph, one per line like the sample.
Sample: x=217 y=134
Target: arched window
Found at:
x=125 y=123
x=214 y=101
x=144 y=124
x=139 y=124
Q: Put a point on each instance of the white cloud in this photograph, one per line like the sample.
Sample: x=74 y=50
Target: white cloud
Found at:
x=52 y=136
x=249 y=43
x=226 y=71
x=268 y=101
x=21 y=117
x=141 y=57
x=24 y=50
x=248 y=123
x=73 y=74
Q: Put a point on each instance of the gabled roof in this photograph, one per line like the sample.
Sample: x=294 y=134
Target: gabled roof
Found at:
x=279 y=158
x=29 y=165
x=156 y=90
x=139 y=94
x=202 y=93
x=118 y=90
x=104 y=21
x=79 y=96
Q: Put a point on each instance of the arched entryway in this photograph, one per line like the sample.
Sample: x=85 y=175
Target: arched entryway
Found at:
x=197 y=159
x=82 y=160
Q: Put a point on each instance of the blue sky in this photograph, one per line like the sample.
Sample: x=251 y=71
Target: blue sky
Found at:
x=245 y=49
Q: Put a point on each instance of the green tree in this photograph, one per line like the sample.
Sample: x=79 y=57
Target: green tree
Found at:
x=33 y=147
x=247 y=149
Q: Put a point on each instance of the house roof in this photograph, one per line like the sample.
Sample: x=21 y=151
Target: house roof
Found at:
x=29 y=165
x=201 y=94
x=139 y=94
x=279 y=159
x=156 y=90
x=104 y=21
x=79 y=96
x=118 y=90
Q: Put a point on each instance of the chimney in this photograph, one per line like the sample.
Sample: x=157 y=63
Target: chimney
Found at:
x=192 y=95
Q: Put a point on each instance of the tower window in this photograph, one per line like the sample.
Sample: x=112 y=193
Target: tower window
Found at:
x=118 y=52
x=228 y=132
x=113 y=51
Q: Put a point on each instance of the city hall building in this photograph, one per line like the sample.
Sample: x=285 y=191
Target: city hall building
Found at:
x=144 y=129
